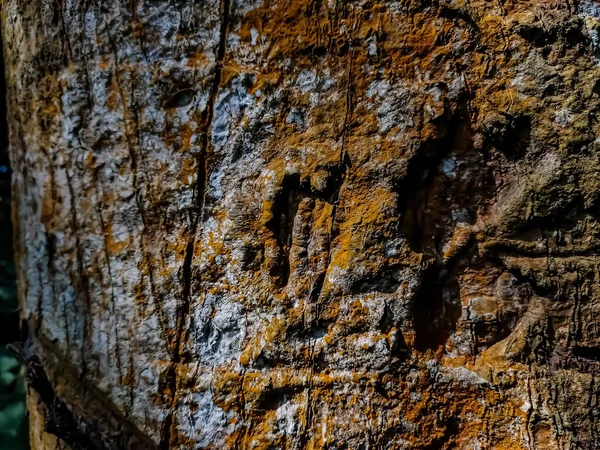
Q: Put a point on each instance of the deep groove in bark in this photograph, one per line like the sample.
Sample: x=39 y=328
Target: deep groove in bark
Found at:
x=196 y=219
x=285 y=208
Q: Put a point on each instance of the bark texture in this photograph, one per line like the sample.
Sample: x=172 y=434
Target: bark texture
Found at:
x=303 y=224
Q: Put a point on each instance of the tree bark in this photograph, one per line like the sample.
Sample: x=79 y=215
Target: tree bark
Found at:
x=307 y=225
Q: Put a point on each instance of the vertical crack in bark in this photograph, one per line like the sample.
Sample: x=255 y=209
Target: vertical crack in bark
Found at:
x=315 y=293
x=112 y=294
x=196 y=220
x=82 y=280
x=132 y=114
x=40 y=307
x=51 y=253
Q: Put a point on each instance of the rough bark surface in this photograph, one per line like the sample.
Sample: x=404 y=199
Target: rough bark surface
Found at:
x=306 y=224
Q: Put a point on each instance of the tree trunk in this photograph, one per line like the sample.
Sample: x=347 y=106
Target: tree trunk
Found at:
x=307 y=224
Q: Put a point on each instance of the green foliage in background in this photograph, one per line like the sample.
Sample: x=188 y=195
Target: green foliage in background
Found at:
x=13 y=422
x=13 y=414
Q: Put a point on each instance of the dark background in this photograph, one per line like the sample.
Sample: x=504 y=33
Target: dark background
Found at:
x=13 y=423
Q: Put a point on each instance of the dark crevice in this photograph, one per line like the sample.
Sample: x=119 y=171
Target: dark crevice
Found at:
x=427 y=196
x=272 y=399
x=412 y=188
x=345 y=164
x=536 y=35
x=196 y=218
x=459 y=15
x=542 y=36
x=386 y=281
x=291 y=193
x=281 y=225
x=208 y=113
x=317 y=285
x=587 y=353
x=431 y=327
x=181 y=99
x=511 y=134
